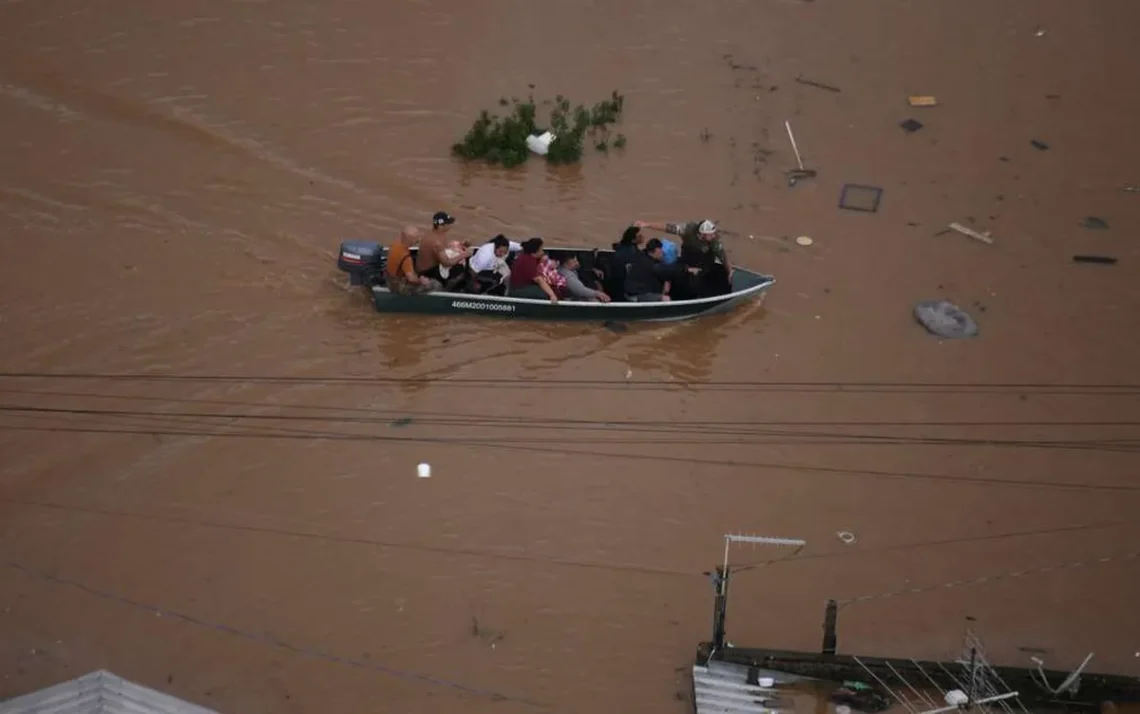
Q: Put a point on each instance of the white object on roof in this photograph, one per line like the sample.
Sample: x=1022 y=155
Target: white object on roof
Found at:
x=99 y=692
x=722 y=688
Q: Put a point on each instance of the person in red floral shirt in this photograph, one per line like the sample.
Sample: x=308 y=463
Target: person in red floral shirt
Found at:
x=529 y=279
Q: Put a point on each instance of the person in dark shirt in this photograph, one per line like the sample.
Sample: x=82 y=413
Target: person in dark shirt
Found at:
x=646 y=279
x=702 y=253
x=526 y=276
x=631 y=243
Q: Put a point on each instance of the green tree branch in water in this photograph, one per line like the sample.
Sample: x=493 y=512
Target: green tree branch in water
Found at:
x=501 y=140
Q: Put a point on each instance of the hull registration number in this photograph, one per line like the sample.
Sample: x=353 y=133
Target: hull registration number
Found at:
x=490 y=306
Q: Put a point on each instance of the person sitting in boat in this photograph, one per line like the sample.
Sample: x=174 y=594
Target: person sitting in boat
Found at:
x=575 y=289
x=702 y=252
x=527 y=277
x=489 y=266
x=457 y=278
x=647 y=277
x=625 y=251
x=400 y=270
x=437 y=255
x=591 y=270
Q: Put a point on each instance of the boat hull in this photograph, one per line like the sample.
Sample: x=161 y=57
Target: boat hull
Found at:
x=443 y=303
x=363 y=261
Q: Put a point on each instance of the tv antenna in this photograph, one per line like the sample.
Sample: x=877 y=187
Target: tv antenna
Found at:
x=723 y=573
x=977 y=685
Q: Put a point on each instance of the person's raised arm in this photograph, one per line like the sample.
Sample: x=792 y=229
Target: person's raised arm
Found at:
x=676 y=229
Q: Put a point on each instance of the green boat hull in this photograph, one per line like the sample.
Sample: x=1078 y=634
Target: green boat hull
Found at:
x=747 y=286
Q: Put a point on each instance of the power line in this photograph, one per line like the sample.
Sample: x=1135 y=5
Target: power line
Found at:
x=452 y=551
x=509 y=444
x=700 y=434
x=459 y=417
x=266 y=639
x=991 y=578
x=513 y=382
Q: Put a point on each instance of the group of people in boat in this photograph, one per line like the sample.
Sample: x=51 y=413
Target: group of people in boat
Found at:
x=640 y=268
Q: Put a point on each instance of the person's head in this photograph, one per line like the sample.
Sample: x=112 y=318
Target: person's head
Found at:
x=410 y=236
x=632 y=236
x=570 y=261
x=654 y=249
x=533 y=246
x=442 y=221
x=502 y=246
x=707 y=230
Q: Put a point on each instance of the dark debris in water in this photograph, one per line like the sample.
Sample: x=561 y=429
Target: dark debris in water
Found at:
x=1095 y=259
x=911 y=125
x=1095 y=223
x=618 y=327
x=401 y=422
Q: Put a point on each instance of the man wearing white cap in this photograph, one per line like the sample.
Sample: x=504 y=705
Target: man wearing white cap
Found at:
x=701 y=247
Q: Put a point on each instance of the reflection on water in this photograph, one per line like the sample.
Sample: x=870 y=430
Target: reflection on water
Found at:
x=424 y=346
x=686 y=351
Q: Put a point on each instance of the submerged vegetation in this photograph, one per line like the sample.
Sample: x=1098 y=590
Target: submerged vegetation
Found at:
x=502 y=140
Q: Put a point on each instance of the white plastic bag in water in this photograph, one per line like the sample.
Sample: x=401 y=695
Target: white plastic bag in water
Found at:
x=540 y=143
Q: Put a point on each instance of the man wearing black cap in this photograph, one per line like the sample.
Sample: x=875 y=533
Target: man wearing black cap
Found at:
x=433 y=253
x=441 y=221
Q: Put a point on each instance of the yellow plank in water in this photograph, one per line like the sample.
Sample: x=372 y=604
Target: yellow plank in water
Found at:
x=922 y=101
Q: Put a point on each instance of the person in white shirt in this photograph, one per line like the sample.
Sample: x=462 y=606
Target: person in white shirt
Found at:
x=489 y=263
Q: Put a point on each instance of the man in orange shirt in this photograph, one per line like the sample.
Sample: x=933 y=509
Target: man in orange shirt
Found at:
x=400 y=268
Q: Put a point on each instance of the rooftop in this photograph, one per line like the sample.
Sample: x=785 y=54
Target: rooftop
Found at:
x=99 y=692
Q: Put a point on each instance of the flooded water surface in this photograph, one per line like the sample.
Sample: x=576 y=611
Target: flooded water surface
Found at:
x=208 y=443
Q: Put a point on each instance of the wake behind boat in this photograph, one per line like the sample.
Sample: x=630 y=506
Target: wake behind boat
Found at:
x=364 y=262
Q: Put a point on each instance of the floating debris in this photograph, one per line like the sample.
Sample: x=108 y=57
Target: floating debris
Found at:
x=1039 y=145
x=920 y=100
x=856 y=197
x=945 y=319
x=424 y=470
x=804 y=240
x=1095 y=223
x=800 y=173
x=983 y=237
x=1096 y=259
x=818 y=85
x=910 y=125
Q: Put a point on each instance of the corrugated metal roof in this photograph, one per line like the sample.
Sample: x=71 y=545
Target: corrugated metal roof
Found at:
x=99 y=692
x=722 y=688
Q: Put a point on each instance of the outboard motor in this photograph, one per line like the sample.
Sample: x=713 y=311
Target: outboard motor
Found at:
x=363 y=261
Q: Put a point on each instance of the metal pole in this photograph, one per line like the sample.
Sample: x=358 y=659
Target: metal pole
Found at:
x=830 y=616
x=792 y=138
x=720 y=608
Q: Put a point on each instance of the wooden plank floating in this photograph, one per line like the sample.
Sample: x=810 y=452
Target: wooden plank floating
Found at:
x=971 y=233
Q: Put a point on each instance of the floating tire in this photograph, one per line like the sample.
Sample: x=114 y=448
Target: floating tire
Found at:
x=945 y=319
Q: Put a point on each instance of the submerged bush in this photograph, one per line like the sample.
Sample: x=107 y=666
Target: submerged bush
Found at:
x=502 y=140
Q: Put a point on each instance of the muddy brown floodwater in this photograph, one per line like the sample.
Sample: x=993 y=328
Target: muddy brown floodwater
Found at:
x=246 y=530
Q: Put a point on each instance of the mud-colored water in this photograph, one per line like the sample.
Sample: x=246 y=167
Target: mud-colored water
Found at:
x=175 y=178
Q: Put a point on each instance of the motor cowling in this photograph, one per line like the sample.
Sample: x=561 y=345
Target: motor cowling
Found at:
x=362 y=260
